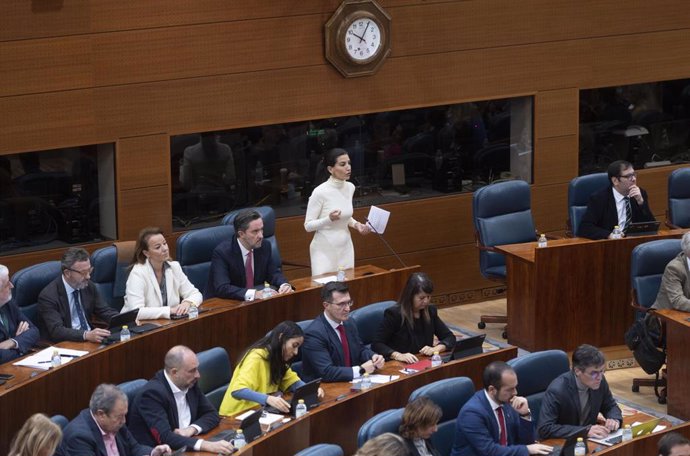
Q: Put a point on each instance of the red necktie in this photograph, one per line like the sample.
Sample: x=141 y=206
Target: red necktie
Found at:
x=249 y=271
x=503 y=438
x=346 y=346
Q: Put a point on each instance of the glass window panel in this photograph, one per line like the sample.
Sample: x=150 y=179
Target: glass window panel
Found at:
x=56 y=198
x=396 y=156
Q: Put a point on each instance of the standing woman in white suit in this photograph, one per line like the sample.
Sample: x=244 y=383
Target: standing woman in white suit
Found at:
x=156 y=285
x=329 y=215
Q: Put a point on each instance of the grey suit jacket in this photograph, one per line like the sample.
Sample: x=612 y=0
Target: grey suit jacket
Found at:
x=674 y=292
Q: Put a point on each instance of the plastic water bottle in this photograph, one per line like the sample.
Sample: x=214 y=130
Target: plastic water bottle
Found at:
x=239 y=442
x=193 y=311
x=301 y=408
x=542 y=242
x=436 y=360
x=627 y=433
x=365 y=384
x=341 y=274
x=268 y=291
x=125 y=335
x=580 y=448
x=616 y=233
x=55 y=360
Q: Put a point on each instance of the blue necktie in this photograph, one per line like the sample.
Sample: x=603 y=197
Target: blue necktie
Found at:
x=80 y=311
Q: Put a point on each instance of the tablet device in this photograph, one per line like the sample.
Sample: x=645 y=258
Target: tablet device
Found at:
x=642 y=228
x=467 y=346
x=568 y=448
x=251 y=428
x=309 y=392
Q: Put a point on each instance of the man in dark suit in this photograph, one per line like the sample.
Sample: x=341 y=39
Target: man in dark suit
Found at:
x=496 y=420
x=241 y=266
x=100 y=429
x=67 y=304
x=574 y=399
x=17 y=333
x=332 y=349
x=621 y=204
x=172 y=409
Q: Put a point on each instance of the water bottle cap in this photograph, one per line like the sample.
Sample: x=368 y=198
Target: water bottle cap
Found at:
x=124 y=327
x=436 y=352
x=301 y=401
x=366 y=374
x=579 y=439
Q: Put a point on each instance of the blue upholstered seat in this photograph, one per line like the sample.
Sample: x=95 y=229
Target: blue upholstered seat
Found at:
x=131 y=388
x=321 y=449
x=28 y=284
x=647 y=264
x=679 y=198
x=60 y=420
x=369 y=318
x=109 y=276
x=450 y=394
x=215 y=371
x=194 y=251
x=579 y=191
x=387 y=421
x=535 y=372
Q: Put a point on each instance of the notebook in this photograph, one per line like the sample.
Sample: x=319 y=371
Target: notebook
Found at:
x=309 y=392
x=467 y=346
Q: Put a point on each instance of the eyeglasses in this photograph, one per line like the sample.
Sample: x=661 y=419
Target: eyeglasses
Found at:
x=628 y=176
x=82 y=273
x=342 y=305
x=596 y=374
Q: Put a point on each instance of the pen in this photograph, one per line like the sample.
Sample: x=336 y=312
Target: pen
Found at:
x=341 y=397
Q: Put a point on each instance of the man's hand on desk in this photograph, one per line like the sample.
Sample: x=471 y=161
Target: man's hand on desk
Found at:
x=378 y=361
x=538 y=448
x=285 y=288
x=219 y=447
x=161 y=450
x=598 y=431
x=320 y=394
x=189 y=431
x=96 y=335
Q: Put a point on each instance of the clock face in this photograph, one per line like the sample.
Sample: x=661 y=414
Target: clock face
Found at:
x=362 y=39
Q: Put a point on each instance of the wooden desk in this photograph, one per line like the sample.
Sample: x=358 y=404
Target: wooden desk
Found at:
x=646 y=445
x=678 y=362
x=572 y=292
x=230 y=324
x=339 y=421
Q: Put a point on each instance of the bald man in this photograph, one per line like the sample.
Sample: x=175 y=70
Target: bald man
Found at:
x=172 y=409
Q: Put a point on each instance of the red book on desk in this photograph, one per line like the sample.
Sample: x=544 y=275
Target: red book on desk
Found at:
x=420 y=365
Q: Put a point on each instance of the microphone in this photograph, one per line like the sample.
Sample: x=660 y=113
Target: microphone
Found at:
x=385 y=242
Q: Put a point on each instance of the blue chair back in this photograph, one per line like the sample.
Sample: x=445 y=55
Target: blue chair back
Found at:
x=60 y=420
x=579 y=191
x=647 y=264
x=322 y=449
x=194 y=251
x=679 y=197
x=215 y=371
x=109 y=276
x=131 y=388
x=368 y=319
x=28 y=284
x=387 y=421
x=535 y=372
x=502 y=215
x=269 y=218
x=450 y=394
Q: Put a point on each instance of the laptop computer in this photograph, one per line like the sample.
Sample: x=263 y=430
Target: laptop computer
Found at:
x=568 y=447
x=129 y=319
x=467 y=346
x=251 y=428
x=638 y=430
x=642 y=228
x=309 y=392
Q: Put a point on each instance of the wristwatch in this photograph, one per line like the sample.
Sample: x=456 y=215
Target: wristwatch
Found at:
x=362 y=370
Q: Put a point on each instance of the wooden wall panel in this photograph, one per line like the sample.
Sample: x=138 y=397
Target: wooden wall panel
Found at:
x=142 y=207
x=143 y=161
x=555 y=159
x=557 y=111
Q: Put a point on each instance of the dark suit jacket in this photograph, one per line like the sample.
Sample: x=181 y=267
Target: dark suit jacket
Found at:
x=394 y=336
x=322 y=352
x=82 y=437
x=227 y=278
x=153 y=417
x=477 y=432
x=559 y=417
x=53 y=308
x=413 y=449
x=601 y=215
x=26 y=340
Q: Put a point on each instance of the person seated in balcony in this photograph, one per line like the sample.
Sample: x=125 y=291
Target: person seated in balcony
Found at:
x=409 y=327
x=156 y=285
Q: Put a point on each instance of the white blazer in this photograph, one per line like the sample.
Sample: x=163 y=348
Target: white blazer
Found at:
x=143 y=292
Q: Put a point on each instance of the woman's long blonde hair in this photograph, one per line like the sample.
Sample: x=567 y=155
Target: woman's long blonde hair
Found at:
x=38 y=437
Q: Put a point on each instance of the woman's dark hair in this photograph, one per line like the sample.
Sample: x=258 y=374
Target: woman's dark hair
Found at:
x=273 y=342
x=143 y=243
x=417 y=283
x=330 y=158
x=420 y=413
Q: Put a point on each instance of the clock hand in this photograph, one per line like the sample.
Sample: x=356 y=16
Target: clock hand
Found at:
x=365 y=32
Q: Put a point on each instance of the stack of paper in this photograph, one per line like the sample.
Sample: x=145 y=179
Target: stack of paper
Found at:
x=43 y=359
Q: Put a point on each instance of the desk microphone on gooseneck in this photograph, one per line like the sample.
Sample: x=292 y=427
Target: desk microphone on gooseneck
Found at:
x=385 y=242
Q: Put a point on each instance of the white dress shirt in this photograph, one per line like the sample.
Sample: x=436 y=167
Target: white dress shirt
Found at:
x=184 y=414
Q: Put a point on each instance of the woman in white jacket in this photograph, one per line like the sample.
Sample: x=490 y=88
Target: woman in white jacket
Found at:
x=156 y=285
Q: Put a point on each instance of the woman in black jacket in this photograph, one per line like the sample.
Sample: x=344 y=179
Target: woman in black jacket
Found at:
x=419 y=422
